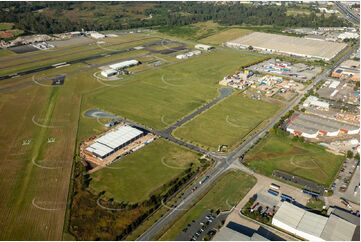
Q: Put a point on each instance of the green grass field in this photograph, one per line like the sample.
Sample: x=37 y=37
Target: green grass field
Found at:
x=227 y=123
x=280 y=152
x=226 y=192
x=159 y=97
x=6 y=26
x=137 y=175
x=225 y=36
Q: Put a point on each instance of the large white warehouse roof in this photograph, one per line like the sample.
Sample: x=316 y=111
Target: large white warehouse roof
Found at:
x=311 y=226
x=112 y=140
x=124 y=64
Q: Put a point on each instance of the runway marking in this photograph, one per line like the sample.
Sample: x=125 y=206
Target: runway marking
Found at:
x=170 y=84
x=172 y=167
x=45 y=167
x=164 y=122
x=106 y=84
x=41 y=84
x=42 y=208
x=43 y=125
x=231 y=123
x=106 y=208
x=300 y=166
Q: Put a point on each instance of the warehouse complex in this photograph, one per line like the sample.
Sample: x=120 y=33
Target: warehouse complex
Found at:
x=117 y=142
x=313 y=227
x=113 y=141
x=312 y=126
x=288 y=45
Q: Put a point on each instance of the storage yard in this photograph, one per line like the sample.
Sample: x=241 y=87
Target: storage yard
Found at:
x=296 y=71
x=287 y=45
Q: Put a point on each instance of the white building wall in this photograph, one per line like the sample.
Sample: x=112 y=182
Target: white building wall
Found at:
x=307 y=236
x=355 y=131
x=310 y=136
x=333 y=134
x=283 y=226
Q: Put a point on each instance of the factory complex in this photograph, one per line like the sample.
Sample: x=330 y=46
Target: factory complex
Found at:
x=312 y=126
x=117 y=142
x=288 y=45
x=297 y=71
x=314 y=227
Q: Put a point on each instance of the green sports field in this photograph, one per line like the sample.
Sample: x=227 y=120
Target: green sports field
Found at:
x=137 y=175
x=228 y=122
x=225 y=193
x=159 y=97
x=280 y=152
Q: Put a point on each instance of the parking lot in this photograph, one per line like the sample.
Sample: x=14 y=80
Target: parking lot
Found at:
x=348 y=180
x=198 y=229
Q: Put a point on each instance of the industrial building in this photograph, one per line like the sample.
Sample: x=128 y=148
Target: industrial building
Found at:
x=311 y=226
x=124 y=64
x=238 y=232
x=311 y=126
x=203 y=47
x=114 y=140
x=313 y=101
x=348 y=70
x=288 y=45
x=188 y=54
x=109 y=73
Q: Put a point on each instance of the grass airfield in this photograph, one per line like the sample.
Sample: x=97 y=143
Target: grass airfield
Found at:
x=35 y=177
x=227 y=123
x=143 y=172
x=279 y=152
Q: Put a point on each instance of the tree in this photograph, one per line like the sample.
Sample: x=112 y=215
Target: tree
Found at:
x=357 y=156
x=349 y=154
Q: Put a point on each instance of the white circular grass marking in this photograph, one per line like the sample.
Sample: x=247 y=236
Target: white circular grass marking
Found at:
x=45 y=167
x=294 y=163
x=171 y=84
x=102 y=81
x=231 y=123
x=43 y=125
x=42 y=208
x=41 y=84
x=163 y=121
x=170 y=166
x=106 y=208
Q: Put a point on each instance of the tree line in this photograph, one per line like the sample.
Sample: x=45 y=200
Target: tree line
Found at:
x=26 y=16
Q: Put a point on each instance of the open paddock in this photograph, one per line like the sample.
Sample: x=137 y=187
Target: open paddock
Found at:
x=135 y=177
x=227 y=123
x=280 y=152
x=159 y=97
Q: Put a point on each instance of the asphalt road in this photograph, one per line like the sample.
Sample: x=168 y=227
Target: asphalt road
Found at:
x=223 y=163
x=350 y=15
